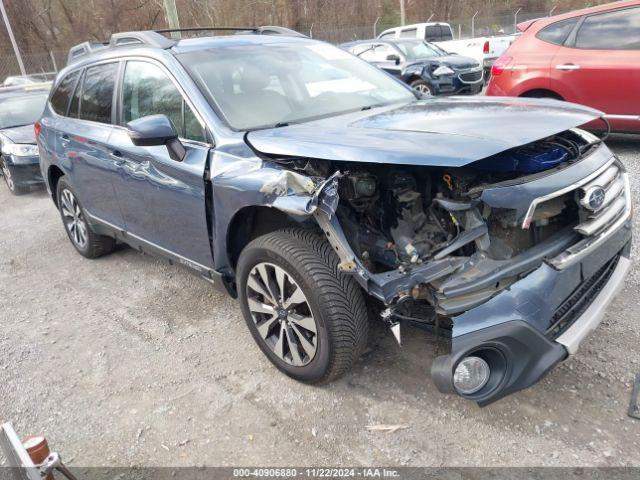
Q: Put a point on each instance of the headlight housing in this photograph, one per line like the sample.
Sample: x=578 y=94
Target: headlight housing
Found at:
x=20 y=149
x=443 y=70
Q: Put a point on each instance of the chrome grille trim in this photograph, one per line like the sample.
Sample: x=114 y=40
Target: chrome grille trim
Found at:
x=526 y=223
x=587 y=245
x=598 y=226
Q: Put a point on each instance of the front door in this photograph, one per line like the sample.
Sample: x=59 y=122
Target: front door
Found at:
x=162 y=200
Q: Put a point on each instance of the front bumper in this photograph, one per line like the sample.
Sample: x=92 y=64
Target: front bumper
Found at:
x=25 y=170
x=528 y=348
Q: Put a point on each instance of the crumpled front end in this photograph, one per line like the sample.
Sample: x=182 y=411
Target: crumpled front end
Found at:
x=512 y=258
x=517 y=271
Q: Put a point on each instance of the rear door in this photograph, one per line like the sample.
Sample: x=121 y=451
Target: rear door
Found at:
x=599 y=65
x=162 y=200
x=83 y=142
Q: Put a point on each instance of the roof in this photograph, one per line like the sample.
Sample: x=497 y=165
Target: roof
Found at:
x=543 y=22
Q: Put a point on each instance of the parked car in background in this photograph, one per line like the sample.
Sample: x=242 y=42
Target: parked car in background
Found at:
x=589 y=56
x=484 y=49
x=20 y=107
x=323 y=194
x=429 y=31
x=424 y=66
x=22 y=80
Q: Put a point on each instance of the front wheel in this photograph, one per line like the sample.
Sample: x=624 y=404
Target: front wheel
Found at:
x=88 y=243
x=9 y=180
x=422 y=87
x=307 y=317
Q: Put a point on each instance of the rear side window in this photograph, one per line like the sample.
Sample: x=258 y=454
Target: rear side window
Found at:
x=432 y=33
x=97 y=93
x=60 y=98
x=558 y=32
x=408 y=33
x=618 y=30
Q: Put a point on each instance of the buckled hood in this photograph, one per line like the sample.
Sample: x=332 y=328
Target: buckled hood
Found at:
x=449 y=132
x=23 y=134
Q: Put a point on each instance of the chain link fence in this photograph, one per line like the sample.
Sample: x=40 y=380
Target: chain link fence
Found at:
x=39 y=61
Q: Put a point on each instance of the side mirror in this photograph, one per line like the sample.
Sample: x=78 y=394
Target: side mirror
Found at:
x=394 y=58
x=154 y=130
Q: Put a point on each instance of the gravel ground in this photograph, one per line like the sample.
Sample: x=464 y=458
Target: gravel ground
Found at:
x=126 y=361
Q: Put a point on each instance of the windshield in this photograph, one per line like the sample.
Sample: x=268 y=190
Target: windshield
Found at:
x=24 y=110
x=257 y=86
x=419 y=49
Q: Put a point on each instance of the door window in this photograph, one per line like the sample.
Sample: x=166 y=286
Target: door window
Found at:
x=618 y=30
x=62 y=94
x=378 y=53
x=97 y=93
x=558 y=32
x=146 y=90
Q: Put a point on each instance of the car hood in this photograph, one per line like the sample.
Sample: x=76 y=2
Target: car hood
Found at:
x=439 y=132
x=23 y=134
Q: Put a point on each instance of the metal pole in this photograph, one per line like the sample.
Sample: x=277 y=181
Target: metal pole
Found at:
x=551 y=12
x=171 y=14
x=375 y=27
x=53 y=60
x=403 y=18
x=473 y=24
x=515 y=20
x=12 y=38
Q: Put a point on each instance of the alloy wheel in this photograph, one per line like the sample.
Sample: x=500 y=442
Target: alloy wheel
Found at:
x=282 y=314
x=7 y=176
x=73 y=218
x=424 y=90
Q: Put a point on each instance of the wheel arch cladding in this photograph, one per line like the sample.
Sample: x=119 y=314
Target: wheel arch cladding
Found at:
x=53 y=177
x=251 y=222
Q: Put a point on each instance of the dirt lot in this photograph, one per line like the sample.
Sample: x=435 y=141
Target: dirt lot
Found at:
x=126 y=360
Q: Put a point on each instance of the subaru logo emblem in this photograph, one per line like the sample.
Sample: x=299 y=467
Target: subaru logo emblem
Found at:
x=593 y=198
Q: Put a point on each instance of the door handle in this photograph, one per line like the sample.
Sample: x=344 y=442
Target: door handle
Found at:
x=65 y=138
x=567 y=66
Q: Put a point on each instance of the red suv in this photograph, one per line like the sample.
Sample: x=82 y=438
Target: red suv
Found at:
x=589 y=56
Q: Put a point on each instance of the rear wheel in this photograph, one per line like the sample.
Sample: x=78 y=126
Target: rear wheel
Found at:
x=7 y=173
x=422 y=87
x=88 y=243
x=306 y=316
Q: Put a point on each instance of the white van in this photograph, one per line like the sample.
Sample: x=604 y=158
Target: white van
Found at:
x=429 y=31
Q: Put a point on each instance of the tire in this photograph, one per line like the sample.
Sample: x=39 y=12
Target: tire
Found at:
x=88 y=243
x=8 y=176
x=332 y=301
x=423 y=87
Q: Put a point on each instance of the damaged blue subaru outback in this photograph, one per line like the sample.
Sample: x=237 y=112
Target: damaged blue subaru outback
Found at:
x=324 y=194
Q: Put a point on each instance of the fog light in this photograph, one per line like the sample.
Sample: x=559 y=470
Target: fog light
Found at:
x=472 y=373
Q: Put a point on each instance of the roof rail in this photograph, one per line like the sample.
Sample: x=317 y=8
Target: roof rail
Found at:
x=154 y=38
x=264 y=30
x=147 y=37
x=120 y=39
x=83 y=49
